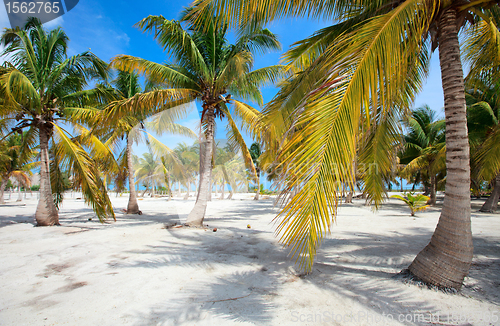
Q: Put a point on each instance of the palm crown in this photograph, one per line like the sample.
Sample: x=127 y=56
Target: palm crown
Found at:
x=40 y=87
x=208 y=69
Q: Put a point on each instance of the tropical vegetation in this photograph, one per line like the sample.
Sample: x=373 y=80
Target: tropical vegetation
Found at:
x=42 y=89
x=210 y=70
x=353 y=79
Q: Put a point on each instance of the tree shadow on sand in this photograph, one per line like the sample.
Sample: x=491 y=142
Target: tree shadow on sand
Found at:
x=364 y=274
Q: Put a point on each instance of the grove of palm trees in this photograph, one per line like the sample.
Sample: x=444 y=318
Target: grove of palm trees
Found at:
x=226 y=170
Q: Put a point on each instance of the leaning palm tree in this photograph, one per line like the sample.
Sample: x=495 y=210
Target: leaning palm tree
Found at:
x=211 y=71
x=424 y=148
x=42 y=88
x=359 y=71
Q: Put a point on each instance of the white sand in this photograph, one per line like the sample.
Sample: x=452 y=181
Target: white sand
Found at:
x=136 y=272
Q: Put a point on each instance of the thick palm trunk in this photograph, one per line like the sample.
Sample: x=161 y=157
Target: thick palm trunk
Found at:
x=195 y=218
x=133 y=206
x=447 y=258
x=491 y=203
x=46 y=213
x=5 y=180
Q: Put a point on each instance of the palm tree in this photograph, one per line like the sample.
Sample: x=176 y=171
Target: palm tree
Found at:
x=42 y=87
x=416 y=203
x=133 y=127
x=359 y=71
x=483 y=115
x=210 y=70
x=16 y=160
x=424 y=149
x=255 y=152
x=149 y=170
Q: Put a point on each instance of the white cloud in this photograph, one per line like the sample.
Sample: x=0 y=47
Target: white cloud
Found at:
x=122 y=37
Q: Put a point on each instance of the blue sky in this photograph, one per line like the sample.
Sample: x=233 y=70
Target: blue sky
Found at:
x=106 y=27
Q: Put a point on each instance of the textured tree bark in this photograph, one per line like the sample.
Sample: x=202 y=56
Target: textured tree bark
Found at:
x=133 y=206
x=491 y=204
x=432 y=189
x=5 y=180
x=196 y=216
x=46 y=213
x=446 y=260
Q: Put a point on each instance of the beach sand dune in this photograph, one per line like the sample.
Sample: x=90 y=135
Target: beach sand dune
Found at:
x=137 y=272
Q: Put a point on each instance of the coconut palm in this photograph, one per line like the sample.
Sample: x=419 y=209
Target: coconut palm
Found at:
x=255 y=152
x=133 y=127
x=210 y=70
x=358 y=71
x=149 y=170
x=16 y=160
x=42 y=88
x=424 y=149
x=483 y=115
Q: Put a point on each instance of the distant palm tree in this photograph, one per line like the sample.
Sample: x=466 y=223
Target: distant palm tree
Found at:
x=42 y=88
x=149 y=170
x=134 y=127
x=16 y=160
x=483 y=116
x=210 y=70
x=255 y=152
x=424 y=148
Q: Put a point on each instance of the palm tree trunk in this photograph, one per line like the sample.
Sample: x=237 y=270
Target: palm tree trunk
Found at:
x=222 y=193
x=46 y=213
x=491 y=203
x=186 y=197
x=257 y=195
x=133 y=206
x=196 y=216
x=432 y=188
x=19 y=193
x=5 y=180
x=446 y=260
x=348 y=198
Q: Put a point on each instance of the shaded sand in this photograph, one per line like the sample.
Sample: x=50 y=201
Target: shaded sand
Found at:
x=136 y=272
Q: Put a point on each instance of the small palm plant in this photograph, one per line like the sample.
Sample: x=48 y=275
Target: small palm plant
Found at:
x=415 y=202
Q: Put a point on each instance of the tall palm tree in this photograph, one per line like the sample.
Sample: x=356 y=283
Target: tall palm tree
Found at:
x=42 y=87
x=358 y=71
x=210 y=70
x=424 y=149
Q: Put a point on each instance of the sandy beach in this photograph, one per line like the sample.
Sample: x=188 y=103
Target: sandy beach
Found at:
x=136 y=272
